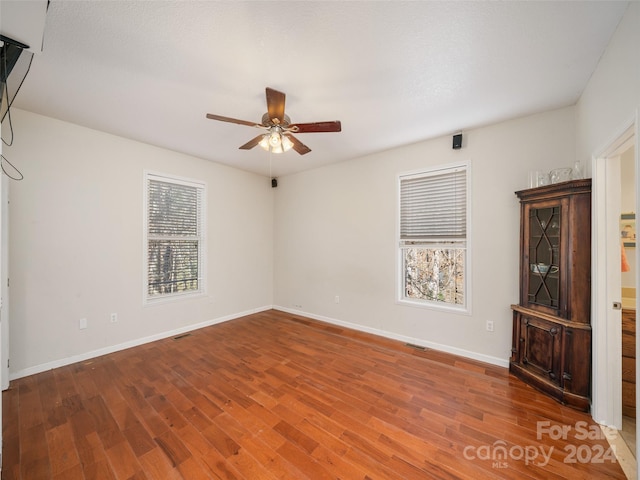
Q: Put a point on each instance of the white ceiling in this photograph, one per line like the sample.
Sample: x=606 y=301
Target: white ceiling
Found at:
x=393 y=72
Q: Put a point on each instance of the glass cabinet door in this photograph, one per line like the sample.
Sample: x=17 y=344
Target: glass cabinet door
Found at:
x=544 y=256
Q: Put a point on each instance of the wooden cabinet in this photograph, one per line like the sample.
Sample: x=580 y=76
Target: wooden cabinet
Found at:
x=629 y=362
x=552 y=322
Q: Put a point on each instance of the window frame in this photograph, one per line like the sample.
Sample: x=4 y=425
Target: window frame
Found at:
x=401 y=299
x=202 y=251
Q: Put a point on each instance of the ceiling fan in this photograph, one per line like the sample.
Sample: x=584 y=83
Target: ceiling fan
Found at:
x=278 y=137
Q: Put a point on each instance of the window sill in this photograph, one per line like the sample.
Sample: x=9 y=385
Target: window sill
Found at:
x=441 y=307
x=174 y=297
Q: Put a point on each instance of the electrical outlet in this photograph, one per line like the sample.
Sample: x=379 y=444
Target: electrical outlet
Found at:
x=295 y=305
x=82 y=324
x=113 y=318
x=337 y=299
x=489 y=326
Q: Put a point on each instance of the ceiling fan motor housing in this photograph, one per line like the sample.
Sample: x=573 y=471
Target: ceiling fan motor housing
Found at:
x=267 y=121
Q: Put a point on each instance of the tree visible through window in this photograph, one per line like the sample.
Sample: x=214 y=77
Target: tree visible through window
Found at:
x=174 y=236
x=435 y=274
x=433 y=236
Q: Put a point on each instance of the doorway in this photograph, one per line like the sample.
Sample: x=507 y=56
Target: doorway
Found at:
x=629 y=239
x=608 y=280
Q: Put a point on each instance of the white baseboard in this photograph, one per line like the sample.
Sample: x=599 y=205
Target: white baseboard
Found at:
x=159 y=336
x=132 y=343
x=501 y=362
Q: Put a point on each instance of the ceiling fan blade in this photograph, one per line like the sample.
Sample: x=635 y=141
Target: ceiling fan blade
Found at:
x=231 y=120
x=275 y=105
x=314 y=127
x=298 y=146
x=251 y=143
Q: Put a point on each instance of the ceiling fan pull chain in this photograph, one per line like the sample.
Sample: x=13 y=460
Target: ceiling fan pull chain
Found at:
x=270 y=166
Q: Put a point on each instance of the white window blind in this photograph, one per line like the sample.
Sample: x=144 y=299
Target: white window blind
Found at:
x=433 y=207
x=174 y=236
x=433 y=237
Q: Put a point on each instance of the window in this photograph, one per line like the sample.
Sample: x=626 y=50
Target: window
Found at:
x=433 y=241
x=174 y=236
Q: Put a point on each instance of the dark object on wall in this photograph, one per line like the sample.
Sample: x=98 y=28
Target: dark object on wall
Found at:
x=457 y=141
x=274 y=182
x=13 y=58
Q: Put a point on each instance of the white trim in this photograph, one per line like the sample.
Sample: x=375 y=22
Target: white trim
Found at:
x=173 y=178
x=500 y=362
x=606 y=340
x=619 y=142
x=418 y=173
x=202 y=269
x=5 y=298
x=430 y=305
x=132 y=343
x=440 y=306
x=637 y=169
x=602 y=399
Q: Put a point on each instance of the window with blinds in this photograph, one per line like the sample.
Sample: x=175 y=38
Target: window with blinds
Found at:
x=433 y=236
x=174 y=230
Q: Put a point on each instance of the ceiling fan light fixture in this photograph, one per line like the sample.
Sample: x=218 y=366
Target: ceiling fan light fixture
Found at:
x=286 y=143
x=275 y=142
x=274 y=139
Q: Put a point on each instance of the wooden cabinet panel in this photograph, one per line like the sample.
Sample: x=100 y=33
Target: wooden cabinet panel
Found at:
x=576 y=372
x=629 y=363
x=629 y=399
x=628 y=345
x=552 y=324
x=541 y=348
x=629 y=369
x=629 y=333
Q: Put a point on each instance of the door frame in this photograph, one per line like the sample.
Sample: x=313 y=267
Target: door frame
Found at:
x=4 y=279
x=606 y=407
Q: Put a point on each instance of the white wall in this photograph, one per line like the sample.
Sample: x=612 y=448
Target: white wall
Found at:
x=607 y=108
x=609 y=102
x=335 y=233
x=628 y=204
x=76 y=243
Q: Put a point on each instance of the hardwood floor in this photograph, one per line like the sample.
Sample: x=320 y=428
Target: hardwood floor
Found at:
x=277 y=396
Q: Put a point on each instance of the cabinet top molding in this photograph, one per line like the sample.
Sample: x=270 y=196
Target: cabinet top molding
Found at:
x=552 y=318
x=561 y=189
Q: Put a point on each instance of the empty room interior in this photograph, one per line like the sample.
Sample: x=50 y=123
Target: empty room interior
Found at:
x=313 y=240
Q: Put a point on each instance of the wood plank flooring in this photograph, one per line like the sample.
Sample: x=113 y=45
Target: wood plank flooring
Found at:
x=277 y=396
